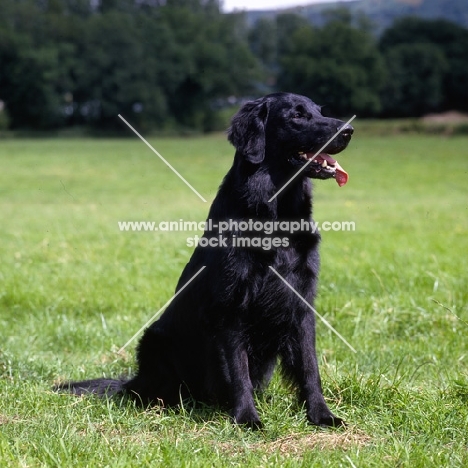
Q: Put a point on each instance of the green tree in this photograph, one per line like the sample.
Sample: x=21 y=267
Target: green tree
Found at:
x=28 y=81
x=415 y=85
x=210 y=59
x=337 y=65
x=66 y=62
x=37 y=56
x=271 y=39
x=451 y=41
x=113 y=74
x=286 y=25
x=263 y=42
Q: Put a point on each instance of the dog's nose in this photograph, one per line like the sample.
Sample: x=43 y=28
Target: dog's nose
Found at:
x=347 y=131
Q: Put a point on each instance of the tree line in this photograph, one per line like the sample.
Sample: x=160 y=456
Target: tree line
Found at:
x=177 y=63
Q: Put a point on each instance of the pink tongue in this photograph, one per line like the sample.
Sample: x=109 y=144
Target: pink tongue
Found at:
x=341 y=175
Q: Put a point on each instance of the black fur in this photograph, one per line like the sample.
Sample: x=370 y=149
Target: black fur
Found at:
x=219 y=340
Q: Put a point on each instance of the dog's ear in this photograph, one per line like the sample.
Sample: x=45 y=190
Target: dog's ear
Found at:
x=247 y=130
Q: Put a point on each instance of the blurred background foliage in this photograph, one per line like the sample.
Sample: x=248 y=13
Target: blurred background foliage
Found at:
x=178 y=64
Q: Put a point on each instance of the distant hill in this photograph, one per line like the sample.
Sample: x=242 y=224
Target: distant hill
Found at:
x=382 y=13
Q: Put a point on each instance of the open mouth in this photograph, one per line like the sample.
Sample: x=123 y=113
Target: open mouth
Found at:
x=325 y=167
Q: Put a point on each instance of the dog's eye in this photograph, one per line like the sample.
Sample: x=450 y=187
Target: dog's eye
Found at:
x=298 y=115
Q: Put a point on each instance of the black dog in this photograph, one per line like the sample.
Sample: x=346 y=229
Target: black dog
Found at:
x=219 y=339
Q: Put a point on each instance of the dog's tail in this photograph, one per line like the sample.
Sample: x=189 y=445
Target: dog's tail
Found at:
x=100 y=387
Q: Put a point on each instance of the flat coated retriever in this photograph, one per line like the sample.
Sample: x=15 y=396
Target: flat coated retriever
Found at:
x=219 y=340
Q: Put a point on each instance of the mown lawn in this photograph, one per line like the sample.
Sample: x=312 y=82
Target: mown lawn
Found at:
x=74 y=289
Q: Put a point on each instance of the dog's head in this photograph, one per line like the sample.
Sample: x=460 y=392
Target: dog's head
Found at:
x=287 y=131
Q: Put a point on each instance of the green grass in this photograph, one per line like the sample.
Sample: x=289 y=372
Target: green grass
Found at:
x=73 y=289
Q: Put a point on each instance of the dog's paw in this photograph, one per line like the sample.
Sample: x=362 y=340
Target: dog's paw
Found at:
x=247 y=418
x=254 y=424
x=326 y=420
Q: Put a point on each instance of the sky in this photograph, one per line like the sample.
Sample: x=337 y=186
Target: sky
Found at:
x=230 y=5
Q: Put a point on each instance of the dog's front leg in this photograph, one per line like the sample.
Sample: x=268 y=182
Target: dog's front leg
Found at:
x=300 y=362
x=240 y=385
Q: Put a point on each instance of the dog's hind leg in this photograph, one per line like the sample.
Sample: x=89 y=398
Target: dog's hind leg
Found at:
x=156 y=380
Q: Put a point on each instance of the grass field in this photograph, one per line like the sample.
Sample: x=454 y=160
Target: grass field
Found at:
x=73 y=289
